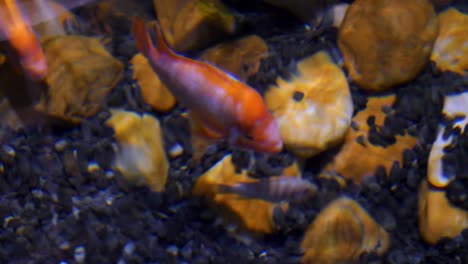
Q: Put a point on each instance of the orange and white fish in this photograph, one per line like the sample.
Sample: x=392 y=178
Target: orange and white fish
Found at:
x=23 y=43
x=16 y=20
x=275 y=189
x=221 y=106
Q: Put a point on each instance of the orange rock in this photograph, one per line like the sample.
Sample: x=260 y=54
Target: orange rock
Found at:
x=241 y=57
x=358 y=159
x=255 y=215
x=341 y=233
x=314 y=108
x=387 y=42
x=437 y=217
x=153 y=91
x=81 y=74
x=451 y=47
x=193 y=24
x=141 y=158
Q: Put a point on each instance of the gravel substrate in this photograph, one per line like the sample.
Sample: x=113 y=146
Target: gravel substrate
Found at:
x=60 y=200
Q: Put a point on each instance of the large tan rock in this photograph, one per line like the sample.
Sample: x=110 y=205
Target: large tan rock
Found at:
x=358 y=158
x=341 y=233
x=314 y=108
x=81 y=74
x=193 y=24
x=241 y=57
x=387 y=42
x=451 y=47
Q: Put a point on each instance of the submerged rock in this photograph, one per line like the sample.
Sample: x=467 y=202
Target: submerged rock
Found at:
x=81 y=74
x=450 y=51
x=387 y=42
x=341 y=233
x=193 y=24
x=141 y=158
x=241 y=57
x=153 y=91
x=437 y=217
x=314 y=108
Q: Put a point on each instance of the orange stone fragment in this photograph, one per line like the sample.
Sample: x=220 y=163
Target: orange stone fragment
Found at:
x=81 y=74
x=437 y=217
x=341 y=233
x=450 y=51
x=193 y=24
x=154 y=92
x=241 y=57
x=387 y=42
x=358 y=160
x=141 y=157
x=319 y=119
x=255 y=215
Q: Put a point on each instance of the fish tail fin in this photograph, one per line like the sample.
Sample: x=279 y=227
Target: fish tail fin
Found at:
x=161 y=43
x=143 y=41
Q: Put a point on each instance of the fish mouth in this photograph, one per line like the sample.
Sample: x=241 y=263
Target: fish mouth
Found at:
x=36 y=69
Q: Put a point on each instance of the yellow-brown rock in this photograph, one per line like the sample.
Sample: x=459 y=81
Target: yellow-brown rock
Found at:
x=141 y=158
x=313 y=109
x=450 y=51
x=193 y=24
x=341 y=233
x=153 y=91
x=387 y=42
x=358 y=158
x=81 y=74
x=241 y=57
x=437 y=217
x=255 y=215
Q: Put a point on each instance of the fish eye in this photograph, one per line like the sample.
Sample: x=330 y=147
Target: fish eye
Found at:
x=249 y=137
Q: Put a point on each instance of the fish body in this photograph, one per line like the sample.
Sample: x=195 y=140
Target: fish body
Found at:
x=221 y=106
x=23 y=45
x=275 y=190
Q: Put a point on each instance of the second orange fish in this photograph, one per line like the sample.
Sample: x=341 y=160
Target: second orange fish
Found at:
x=221 y=106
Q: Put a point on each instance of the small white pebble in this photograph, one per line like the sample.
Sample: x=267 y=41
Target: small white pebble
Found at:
x=129 y=248
x=60 y=145
x=37 y=193
x=80 y=254
x=64 y=246
x=9 y=150
x=110 y=174
x=172 y=250
x=176 y=150
x=76 y=212
x=7 y=220
x=263 y=254
x=93 y=166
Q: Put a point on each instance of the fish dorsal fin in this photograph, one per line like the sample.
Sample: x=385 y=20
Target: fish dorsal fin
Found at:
x=160 y=41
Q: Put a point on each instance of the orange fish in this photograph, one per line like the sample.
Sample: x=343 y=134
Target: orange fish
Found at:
x=220 y=106
x=23 y=43
x=16 y=18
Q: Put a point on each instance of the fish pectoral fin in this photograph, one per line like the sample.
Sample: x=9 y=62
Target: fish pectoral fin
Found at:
x=198 y=128
x=201 y=138
x=247 y=143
